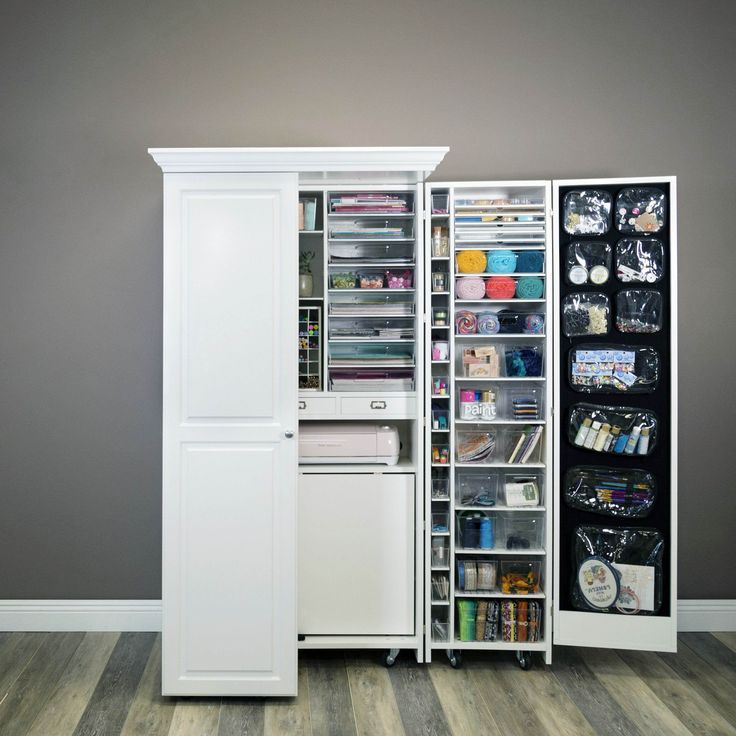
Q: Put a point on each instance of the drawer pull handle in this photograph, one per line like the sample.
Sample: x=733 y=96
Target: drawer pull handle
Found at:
x=302 y=404
x=378 y=404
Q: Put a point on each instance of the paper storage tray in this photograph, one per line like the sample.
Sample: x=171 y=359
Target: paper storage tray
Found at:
x=440 y=552
x=476 y=487
x=372 y=228
x=624 y=492
x=522 y=489
x=520 y=531
x=475 y=446
x=475 y=530
x=441 y=522
x=372 y=303
x=504 y=288
x=587 y=212
x=352 y=253
x=615 y=430
x=383 y=203
x=641 y=210
x=609 y=369
x=366 y=379
x=639 y=260
x=588 y=262
x=374 y=353
x=639 y=310
x=617 y=570
x=371 y=279
x=440 y=204
x=520 y=577
x=387 y=329
x=473 y=575
x=524 y=445
x=498 y=321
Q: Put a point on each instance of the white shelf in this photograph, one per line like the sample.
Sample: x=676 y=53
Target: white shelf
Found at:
x=522 y=422
x=368 y=264
x=501 y=336
x=500 y=466
x=466 y=379
x=403 y=466
x=382 y=290
x=488 y=274
x=512 y=646
x=460 y=507
x=507 y=246
x=504 y=552
x=311 y=232
x=497 y=594
x=491 y=301
x=372 y=215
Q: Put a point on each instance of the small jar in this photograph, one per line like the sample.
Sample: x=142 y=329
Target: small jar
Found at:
x=439 y=281
x=440 y=242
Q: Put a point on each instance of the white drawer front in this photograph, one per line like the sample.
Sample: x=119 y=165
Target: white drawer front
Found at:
x=398 y=407
x=317 y=406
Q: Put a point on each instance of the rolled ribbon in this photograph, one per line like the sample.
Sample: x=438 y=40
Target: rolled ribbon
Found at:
x=500 y=287
x=530 y=261
x=501 y=261
x=488 y=323
x=530 y=287
x=470 y=287
x=466 y=322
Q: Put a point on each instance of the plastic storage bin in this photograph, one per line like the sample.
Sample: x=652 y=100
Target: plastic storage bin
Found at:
x=476 y=487
x=440 y=552
x=520 y=531
x=523 y=446
x=522 y=490
x=441 y=522
x=473 y=446
x=475 y=530
x=520 y=577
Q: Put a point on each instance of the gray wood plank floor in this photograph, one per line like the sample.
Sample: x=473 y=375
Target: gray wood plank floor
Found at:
x=108 y=684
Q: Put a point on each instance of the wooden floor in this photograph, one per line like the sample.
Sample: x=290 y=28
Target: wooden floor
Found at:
x=107 y=683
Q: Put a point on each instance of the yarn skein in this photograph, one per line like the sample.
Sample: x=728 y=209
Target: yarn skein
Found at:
x=471 y=261
x=470 y=287
x=530 y=287
x=530 y=261
x=501 y=261
x=500 y=287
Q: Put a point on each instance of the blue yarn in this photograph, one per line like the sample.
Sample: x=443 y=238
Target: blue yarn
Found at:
x=530 y=261
x=501 y=261
x=529 y=287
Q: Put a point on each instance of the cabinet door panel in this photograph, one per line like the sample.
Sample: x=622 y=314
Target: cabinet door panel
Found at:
x=229 y=470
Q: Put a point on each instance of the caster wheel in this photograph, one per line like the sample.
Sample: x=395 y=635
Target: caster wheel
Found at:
x=524 y=659
x=389 y=658
x=456 y=659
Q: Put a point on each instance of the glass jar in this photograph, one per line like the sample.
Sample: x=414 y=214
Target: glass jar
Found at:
x=440 y=242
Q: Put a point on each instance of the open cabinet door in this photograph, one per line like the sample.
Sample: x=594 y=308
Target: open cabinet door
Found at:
x=229 y=434
x=615 y=413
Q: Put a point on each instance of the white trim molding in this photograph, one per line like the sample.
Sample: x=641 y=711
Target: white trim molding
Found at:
x=706 y=615
x=145 y=615
x=80 y=615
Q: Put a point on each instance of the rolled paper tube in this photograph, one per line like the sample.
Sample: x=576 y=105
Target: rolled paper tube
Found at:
x=488 y=323
x=501 y=261
x=470 y=287
x=471 y=261
x=530 y=262
x=500 y=287
x=466 y=322
x=530 y=287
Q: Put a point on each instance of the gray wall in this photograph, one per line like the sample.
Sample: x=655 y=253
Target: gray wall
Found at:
x=518 y=89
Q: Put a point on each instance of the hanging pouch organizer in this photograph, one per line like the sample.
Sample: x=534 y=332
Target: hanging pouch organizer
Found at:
x=585 y=314
x=588 y=263
x=639 y=310
x=639 y=260
x=610 y=369
x=587 y=212
x=617 y=570
x=610 y=491
x=614 y=430
x=640 y=210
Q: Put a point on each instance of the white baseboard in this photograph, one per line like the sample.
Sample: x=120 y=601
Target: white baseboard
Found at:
x=706 y=615
x=72 y=615
x=69 y=615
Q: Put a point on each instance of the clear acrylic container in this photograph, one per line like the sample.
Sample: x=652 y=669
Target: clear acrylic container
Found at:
x=522 y=532
x=520 y=577
x=440 y=552
x=441 y=522
x=476 y=446
x=440 y=454
x=476 y=487
x=523 y=446
x=522 y=490
x=440 y=420
x=440 y=486
x=475 y=530
x=524 y=404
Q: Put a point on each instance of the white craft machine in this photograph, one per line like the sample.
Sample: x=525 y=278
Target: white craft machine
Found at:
x=348 y=442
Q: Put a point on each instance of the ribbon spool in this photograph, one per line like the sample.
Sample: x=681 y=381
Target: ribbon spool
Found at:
x=470 y=287
x=500 y=287
x=471 y=261
x=501 y=261
x=530 y=287
x=530 y=262
x=465 y=322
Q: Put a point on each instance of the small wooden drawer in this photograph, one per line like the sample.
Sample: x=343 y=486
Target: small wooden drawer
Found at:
x=398 y=407
x=317 y=406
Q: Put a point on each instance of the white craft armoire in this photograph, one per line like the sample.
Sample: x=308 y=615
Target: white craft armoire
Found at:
x=264 y=556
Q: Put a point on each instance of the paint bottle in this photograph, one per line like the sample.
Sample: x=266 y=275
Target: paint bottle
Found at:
x=643 y=447
x=612 y=438
x=583 y=432
x=620 y=445
x=600 y=440
x=633 y=439
x=592 y=435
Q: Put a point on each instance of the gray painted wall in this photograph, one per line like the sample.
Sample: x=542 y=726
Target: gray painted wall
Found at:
x=518 y=89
